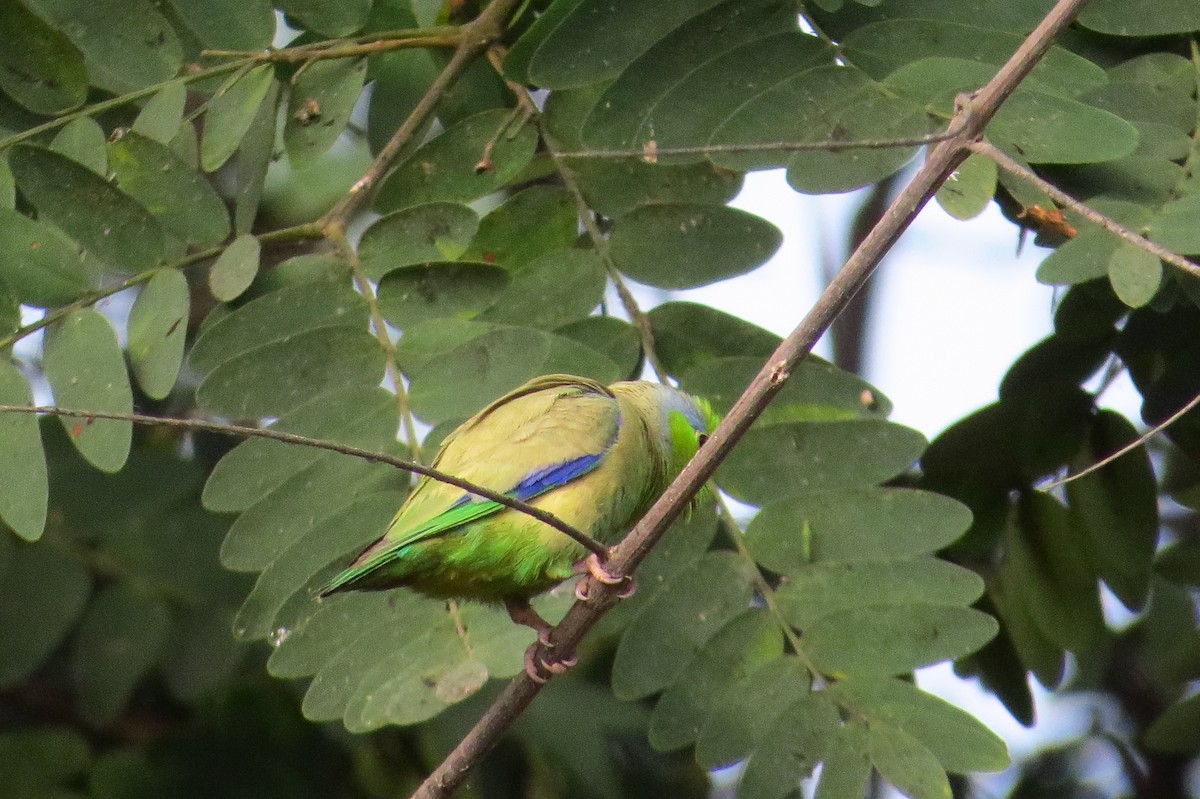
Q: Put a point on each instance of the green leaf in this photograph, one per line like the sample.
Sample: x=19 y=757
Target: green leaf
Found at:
x=184 y=202
x=905 y=763
x=112 y=225
x=333 y=20
x=229 y=24
x=1141 y=17
x=255 y=155
x=277 y=318
x=883 y=47
x=1177 y=729
x=1037 y=653
x=230 y=115
x=1079 y=260
x=42 y=266
x=854 y=524
x=595 y=40
x=1054 y=130
x=789 y=749
x=86 y=371
x=626 y=113
x=817 y=590
x=363 y=417
x=532 y=222
x=816 y=390
x=613 y=338
x=420 y=234
x=795 y=109
x=304 y=563
x=959 y=741
x=277 y=377
x=235 y=268
x=323 y=95
x=969 y=189
x=23 y=484
x=445 y=169
x=773 y=461
x=673 y=627
x=1174 y=227
x=686 y=245
x=119 y=639
x=484 y=361
x=742 y=714
x=895 y=639
x=873 y=118
x=39 y=67
x=37 y=584
x=158 y=324
x=162 y=114
x=83 y=141
x=686 y=333
x=306 y=498
x=556 y=288
x=1054 y=576
x=439 y=290
x=744 y=643
x=1116 y=507
x=8 y=187
x=847 y=767
x=126 y=44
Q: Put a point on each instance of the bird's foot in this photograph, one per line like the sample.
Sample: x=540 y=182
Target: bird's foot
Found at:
x=593 y=567
x=541 y=669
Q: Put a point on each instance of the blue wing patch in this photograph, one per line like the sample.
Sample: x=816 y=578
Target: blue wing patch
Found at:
x=537 y=483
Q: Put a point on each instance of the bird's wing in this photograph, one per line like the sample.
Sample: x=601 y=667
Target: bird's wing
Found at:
x=533 y=440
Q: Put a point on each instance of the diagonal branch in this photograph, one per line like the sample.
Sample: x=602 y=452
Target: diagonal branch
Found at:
x=345 y=449
x=1014 y=168
x=973 y=115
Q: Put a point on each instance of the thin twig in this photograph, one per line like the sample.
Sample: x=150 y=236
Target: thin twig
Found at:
x=1014 y=168
x=1130 y=447
x=971 y=115
x=833 y=145
x=291 y=55
x=242 y=431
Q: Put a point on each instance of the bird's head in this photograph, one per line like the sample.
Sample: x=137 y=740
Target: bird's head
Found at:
x=678 y=421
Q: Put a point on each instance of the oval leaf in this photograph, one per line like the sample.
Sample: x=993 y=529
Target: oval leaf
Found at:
x=108 y=222
x=679 y=246
x=86 y=371
x=24 y=490
x=235 y=268
x=158 y=323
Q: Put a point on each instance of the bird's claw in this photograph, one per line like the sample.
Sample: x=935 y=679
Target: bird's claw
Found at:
x=539 y=669
x=593 y=567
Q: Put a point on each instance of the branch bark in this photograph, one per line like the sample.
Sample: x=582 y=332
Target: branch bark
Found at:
x=971 y=116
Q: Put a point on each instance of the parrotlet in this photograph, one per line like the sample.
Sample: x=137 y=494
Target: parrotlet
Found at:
x=595 y=456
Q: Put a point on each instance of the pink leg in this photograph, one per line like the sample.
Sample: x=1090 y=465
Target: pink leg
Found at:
x=520 y=612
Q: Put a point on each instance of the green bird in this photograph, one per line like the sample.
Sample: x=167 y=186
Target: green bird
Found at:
x=596 y=457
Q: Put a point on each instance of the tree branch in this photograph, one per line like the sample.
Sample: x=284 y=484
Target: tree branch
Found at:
x=357 y=452
x=972 y=115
